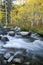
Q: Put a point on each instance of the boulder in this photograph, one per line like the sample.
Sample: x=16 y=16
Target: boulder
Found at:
x=41 y=35
x=6 y=56
x=23 y=33
x=11 y=33
x=18 y=60
x=3 y=38
x=17 y=57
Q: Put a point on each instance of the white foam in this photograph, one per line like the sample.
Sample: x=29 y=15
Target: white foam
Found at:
x=20 y=43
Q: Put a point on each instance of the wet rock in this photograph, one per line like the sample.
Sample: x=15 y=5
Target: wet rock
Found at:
x=7 y=56
x=35 y=36
x=23 y=33
x=11 y=33
x=3 y=38
x=18 y=60
x=10 y=59
x=16 y=57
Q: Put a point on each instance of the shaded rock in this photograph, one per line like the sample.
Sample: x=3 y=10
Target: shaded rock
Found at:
x=41 y=35
x=11 y=33
x=3 y=38
x=6 y=56
x=4 y=31
x=0 y=37
x=18 y=33
x=4 y=61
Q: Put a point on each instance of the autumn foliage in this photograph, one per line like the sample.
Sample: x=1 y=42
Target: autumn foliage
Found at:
x=28 y=15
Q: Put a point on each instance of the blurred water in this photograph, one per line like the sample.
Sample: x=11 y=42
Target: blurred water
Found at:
x=24 y=43
x=1 y=43
x=32 y=44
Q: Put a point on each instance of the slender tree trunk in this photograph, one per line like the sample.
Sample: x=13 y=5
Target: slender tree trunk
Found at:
x=6 y=11
x=9 y=7
x=42 y=18
x=37 y=13
x=0 y=7
x=32 y=19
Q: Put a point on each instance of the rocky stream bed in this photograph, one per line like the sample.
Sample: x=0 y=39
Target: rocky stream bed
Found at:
x=19 y=49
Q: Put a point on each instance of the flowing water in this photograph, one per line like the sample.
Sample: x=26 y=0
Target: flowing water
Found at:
x=32 y=44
